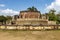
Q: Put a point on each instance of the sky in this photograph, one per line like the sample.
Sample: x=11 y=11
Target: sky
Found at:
x=13 y=7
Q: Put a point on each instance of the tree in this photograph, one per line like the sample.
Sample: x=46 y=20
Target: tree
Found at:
x=3 y=19
x=58 y=18
x=32 y=9
x=52 y=11
x=52 y=16
x=9 y=18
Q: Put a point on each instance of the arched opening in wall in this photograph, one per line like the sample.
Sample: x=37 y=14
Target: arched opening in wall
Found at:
x=41 y=24
x=20 y=16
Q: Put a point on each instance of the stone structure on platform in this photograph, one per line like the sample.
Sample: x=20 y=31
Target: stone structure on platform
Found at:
x=32 y=18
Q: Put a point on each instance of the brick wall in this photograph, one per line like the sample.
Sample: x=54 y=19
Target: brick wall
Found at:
x=30 y=15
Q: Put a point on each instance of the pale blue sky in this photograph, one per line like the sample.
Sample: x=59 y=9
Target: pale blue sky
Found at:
x=19 y=5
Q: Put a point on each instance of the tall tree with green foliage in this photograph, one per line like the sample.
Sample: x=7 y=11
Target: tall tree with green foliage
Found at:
x=52 y=16
x=9 y=18
x=3 y=19
x=58 y=18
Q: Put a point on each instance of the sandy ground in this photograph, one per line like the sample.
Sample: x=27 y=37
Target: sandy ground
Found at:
x=30 y=35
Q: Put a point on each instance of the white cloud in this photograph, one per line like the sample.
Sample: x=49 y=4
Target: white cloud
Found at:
x=54 y=5
x=2 y=5
x=8 y=12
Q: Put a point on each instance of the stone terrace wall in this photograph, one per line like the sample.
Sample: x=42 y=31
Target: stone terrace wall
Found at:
x=32 y=21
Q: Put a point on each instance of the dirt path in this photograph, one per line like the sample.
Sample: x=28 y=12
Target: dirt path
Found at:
x=29 y=35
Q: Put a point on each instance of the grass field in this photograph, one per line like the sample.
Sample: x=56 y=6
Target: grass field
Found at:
x=30 y=35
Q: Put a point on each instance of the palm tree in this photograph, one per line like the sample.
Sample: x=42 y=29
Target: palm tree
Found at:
x=32 y=9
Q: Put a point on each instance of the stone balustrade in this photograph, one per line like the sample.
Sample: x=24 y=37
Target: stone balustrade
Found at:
x=19 y=27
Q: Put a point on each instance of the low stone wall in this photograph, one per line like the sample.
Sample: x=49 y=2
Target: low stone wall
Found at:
x=19 y=27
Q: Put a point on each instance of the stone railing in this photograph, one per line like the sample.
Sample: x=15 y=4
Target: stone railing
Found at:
x=30 y=27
